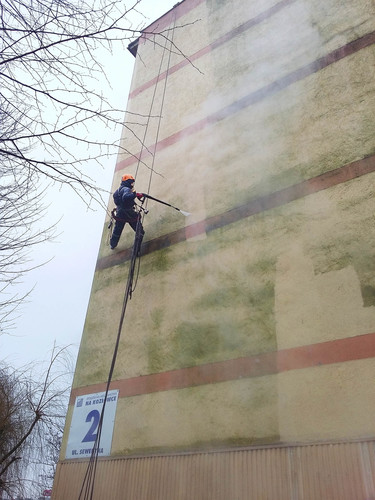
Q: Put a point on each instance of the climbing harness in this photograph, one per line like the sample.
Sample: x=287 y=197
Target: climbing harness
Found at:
x=115 y=218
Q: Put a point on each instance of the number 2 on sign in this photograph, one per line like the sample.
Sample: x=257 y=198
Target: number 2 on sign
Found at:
x=94 y=417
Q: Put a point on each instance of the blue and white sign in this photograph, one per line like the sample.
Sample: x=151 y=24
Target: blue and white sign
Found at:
x=85 y=424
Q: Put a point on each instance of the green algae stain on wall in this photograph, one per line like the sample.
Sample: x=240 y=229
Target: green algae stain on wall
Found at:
x=368 y=295
x=154 y=344
x=195 y=343
x=223 y=307
x=353 y=251
x=218 y=329
x=156 y=316
x=229 y=321
x=364 y=264
x=249 y=309
x=155 y=354
x=160 y=260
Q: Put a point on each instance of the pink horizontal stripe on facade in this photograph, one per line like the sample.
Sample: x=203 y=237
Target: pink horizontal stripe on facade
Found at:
x=254 y=97
x=276 y=199
x=214 y=45
x=270 y=363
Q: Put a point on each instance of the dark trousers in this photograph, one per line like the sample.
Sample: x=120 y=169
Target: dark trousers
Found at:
x=131 y=217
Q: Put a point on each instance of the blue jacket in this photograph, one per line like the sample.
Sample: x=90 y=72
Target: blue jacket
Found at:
x=124 y=196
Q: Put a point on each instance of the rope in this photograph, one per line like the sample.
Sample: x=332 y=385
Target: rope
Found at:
x=162 y=104
x=158 y=128
x=153 y=100
x=143 y=142
x=87 y=489
x=160 y=118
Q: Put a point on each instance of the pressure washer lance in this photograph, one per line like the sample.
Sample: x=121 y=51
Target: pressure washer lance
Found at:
x=168 y=204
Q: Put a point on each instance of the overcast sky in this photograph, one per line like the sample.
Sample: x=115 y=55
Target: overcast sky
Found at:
x=56 y=308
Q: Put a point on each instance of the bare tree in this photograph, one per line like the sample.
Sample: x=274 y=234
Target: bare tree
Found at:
x=50 y=64
x=32 y=415
x=51 y=60
x=21 y=207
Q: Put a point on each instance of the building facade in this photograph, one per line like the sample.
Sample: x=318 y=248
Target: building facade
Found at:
x=245 y=366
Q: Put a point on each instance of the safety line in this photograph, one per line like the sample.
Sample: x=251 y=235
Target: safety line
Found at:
x=161 y=106
x=160 y=116
x=88 y=484
x=150 y=112
x=87 y=489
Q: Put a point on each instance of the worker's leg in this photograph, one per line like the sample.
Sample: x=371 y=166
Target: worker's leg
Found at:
x=117 y=230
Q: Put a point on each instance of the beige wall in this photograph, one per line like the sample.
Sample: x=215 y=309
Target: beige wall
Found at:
x=298 y=274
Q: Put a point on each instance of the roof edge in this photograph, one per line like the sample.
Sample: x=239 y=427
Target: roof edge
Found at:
x=133 y=46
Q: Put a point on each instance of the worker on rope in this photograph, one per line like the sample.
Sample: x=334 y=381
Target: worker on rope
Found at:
x=124 y=198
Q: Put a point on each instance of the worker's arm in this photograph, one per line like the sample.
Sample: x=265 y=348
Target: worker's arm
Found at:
x=128 y=196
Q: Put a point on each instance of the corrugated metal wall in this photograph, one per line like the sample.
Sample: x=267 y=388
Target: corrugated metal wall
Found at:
x=344 y=471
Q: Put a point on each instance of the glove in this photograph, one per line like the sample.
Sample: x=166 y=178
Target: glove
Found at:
x=139 y=195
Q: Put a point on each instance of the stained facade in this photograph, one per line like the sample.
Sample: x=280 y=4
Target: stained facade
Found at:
x=248 y=346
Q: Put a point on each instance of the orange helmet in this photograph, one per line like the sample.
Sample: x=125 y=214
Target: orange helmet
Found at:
x=127 y=177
